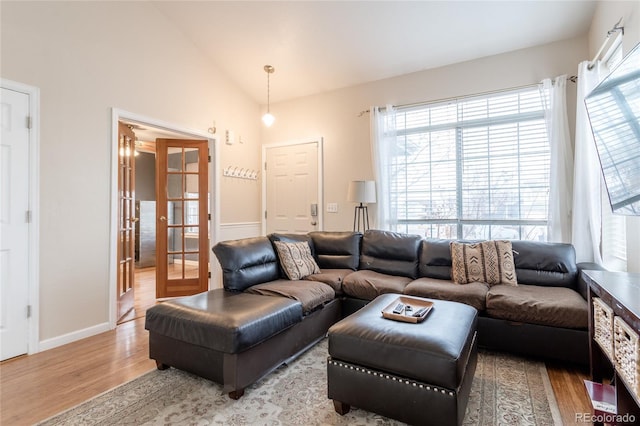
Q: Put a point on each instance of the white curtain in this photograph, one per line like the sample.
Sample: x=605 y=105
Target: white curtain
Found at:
x=586 y=232
x=383 y=135
x=561 y=167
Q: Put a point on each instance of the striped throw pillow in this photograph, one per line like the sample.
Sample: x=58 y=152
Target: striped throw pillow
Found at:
x=490 y=262
x=296 y=259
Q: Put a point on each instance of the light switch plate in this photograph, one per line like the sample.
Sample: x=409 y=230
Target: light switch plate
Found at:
x=332 y=207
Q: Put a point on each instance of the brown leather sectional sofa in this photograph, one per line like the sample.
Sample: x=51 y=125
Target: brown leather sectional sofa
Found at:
x=546 y=315
x=223 y=335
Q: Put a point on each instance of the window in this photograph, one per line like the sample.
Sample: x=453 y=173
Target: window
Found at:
x=472 y=168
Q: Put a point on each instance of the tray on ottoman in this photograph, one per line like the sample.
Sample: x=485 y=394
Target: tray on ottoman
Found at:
x=412 y=305
x=418 y=374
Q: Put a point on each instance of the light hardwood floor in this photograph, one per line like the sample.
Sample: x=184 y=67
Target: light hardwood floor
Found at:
x=35 y=387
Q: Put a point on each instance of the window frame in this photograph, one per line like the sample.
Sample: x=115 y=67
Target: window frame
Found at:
x=433 y=225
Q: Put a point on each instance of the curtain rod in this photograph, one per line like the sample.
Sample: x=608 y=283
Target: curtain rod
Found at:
x=612 y=31
x=572 y=79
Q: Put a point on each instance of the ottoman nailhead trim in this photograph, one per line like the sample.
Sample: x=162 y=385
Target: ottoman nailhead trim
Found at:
x=389 y=377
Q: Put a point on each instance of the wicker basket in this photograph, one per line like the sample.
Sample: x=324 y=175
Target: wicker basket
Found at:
x=603 y=326
x=627 y=351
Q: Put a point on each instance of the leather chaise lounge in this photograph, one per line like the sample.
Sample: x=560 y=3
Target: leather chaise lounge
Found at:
x=261 y=319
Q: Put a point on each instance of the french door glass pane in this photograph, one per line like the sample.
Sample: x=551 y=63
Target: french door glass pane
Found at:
x=174 y=186
x=175 y=266
x=191 y=215
x=191 y=265
x=174 y=208
x=174 y=239
x=191 y=159
x=174 y=159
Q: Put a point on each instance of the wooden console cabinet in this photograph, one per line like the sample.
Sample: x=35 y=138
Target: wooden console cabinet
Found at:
x=620 y=291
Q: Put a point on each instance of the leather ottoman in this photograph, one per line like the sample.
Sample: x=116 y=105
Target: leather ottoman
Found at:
x=230 y=338
x=418 y=373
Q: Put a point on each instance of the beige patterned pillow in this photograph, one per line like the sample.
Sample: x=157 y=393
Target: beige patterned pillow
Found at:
x=296 y=259
x=489 y=261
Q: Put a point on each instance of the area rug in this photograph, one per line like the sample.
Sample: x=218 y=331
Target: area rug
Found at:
x=506 y=390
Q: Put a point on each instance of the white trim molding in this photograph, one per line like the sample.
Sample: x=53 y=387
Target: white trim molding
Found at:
x=234 y=231
x=54 y=342
x=214 y=185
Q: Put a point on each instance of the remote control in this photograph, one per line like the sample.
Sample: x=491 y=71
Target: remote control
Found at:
x=399 y=308
x=419 y=312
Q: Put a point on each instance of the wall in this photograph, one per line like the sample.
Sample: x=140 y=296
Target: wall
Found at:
x=347 y=150
x=86 y=58
x=605 y=16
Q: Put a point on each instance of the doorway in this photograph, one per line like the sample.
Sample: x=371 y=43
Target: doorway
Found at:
x=292 y=168
x=146 y=132
x=19 y=219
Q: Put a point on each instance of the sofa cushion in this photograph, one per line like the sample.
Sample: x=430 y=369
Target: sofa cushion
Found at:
x=246 y=262
x=390 y=253
x=546 y=264
x=332 y=277
x=336 y=250
x=368 y=285
x=488 y=261
x=292 y=238
x=539 y=263
x=472 y=294
x=552 y=306
x=222 y=320
x=435 y=258
x=296 y=259
x=311 y=294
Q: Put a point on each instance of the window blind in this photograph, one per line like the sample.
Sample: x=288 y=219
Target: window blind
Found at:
x=472 y=168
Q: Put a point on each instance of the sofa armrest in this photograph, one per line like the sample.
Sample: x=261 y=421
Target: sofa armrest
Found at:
x=582 y=286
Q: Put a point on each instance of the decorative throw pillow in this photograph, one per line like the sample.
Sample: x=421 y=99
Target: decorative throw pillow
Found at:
x=489 y=261
x=296 y=259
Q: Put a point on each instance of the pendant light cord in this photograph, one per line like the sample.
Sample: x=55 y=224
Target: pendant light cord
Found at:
x=268 y=92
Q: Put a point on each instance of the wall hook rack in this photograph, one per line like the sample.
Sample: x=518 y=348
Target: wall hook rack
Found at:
x=240 y=173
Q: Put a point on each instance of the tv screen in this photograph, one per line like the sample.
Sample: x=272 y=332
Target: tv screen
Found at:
x=613 y=108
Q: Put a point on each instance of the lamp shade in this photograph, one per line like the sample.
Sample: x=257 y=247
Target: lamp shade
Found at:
x=268 y=119
x=362 y=191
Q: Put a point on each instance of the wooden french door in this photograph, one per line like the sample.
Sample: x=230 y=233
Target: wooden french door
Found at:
x=182 y=219
x=126 y=219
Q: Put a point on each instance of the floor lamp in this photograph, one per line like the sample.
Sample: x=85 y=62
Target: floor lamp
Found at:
x=361 y=191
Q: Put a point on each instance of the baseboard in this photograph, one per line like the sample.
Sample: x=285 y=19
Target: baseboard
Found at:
x=235 y=231
x=54 y=342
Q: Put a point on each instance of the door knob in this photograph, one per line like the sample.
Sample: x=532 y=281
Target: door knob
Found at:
x=163 y=219
x=314 y=223
x=134 y=219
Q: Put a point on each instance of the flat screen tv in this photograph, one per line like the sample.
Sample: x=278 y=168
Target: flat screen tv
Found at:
x=613 y=108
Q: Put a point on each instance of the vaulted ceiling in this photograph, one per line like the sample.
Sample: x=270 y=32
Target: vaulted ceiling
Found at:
x=318 y=46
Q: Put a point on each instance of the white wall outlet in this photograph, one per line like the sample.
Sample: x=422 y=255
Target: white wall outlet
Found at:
x=332 y=207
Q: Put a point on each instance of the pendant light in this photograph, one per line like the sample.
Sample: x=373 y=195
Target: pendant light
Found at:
x=268 y=118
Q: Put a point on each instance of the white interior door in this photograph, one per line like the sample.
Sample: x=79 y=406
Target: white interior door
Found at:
x=14 y=228
x=292 y=199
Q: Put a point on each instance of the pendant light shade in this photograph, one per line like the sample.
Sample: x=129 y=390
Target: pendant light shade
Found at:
x=268 y=118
